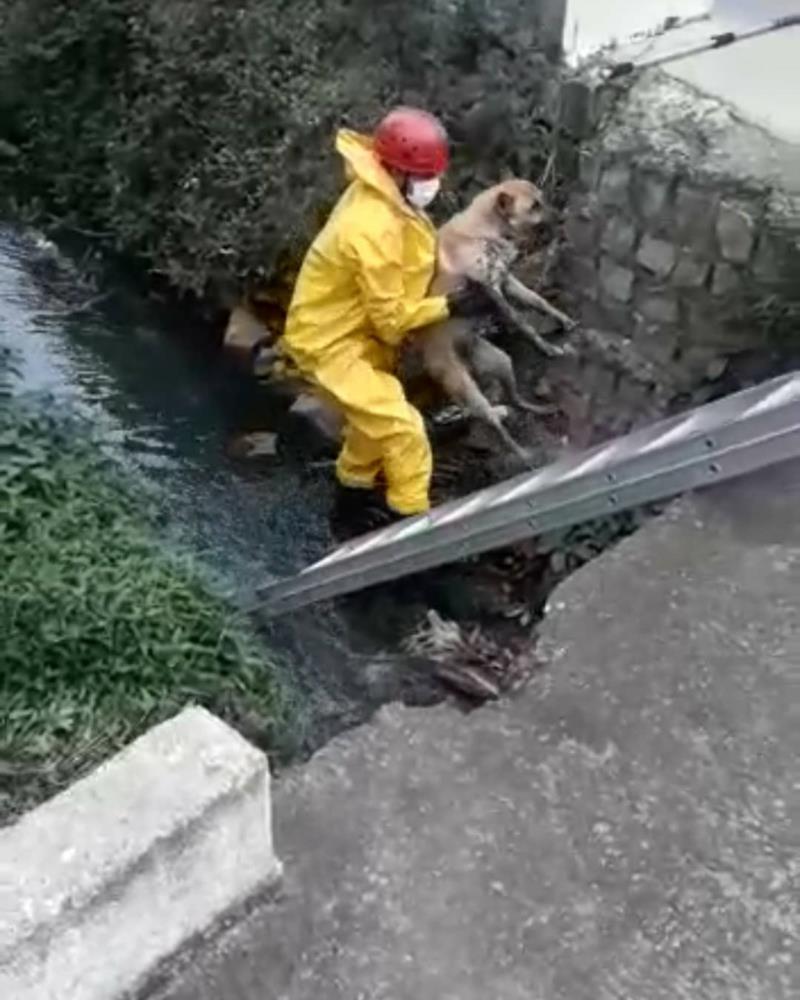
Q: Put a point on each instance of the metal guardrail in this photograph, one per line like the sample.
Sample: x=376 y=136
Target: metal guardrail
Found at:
x=739 y=434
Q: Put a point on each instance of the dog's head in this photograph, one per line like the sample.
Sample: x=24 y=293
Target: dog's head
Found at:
x=522 y=209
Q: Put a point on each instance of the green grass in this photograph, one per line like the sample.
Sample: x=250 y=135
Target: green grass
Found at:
x=102 y=632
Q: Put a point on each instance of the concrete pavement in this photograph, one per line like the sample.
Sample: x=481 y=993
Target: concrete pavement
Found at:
x=628 y=827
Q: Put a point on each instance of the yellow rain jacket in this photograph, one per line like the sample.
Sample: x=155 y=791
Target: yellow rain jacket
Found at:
x=362 y=287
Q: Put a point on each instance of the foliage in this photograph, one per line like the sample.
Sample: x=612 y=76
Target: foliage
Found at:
x=103 y=635
x=779 y=316
x=198 y=132
x=776 y=309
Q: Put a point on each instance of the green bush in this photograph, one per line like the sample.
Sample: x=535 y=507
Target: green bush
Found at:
x=775 y=303
x=198 y=132
x=103 y=633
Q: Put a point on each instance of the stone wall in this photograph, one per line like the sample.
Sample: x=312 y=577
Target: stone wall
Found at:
x=683 y=222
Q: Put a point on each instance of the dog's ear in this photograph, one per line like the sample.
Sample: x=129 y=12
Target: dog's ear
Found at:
x=504 y=205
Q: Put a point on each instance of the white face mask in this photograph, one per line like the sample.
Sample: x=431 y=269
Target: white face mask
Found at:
x=421 y=193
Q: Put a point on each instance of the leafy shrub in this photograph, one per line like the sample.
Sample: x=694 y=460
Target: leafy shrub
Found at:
x=103 y=634
x=775 y=305
x=198 y=132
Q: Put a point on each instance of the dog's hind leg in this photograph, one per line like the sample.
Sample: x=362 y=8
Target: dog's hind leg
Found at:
x=525 y=296
x=490 y=362
x=518 y=323
x=460 y=386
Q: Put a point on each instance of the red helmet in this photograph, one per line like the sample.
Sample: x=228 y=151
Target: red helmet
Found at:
x=413 y=142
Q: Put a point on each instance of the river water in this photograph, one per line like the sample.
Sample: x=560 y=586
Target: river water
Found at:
x=167 y=406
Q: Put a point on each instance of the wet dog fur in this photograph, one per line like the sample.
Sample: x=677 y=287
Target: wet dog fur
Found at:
x=481 y=244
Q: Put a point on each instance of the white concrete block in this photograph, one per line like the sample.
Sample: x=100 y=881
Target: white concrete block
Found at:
x=101 y=883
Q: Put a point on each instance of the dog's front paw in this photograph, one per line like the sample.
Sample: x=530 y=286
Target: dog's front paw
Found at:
x=554 y=351
x=501 y=413
x=567 y=323
x=569 y=351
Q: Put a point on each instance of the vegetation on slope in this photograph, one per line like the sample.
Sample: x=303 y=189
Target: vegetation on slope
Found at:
x=197 y=134
x=103 y=632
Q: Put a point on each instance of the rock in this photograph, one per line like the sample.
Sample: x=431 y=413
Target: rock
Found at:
x=602 y=383
x=581 y=275
x=590 y=168
x=657 y=343
x=709 y=327
x=633 y=396
x=8 y=151
x=716 y=368
x=311 y=410
x=726 y=280
x=657 y=306
x=736 y=233
x=243 y=332
x=767 y=260
x=651 y=193
x=258 y=444
x=581 y=226
x=656 y=256
x=619 y=238
x=690 y=273
x=612 y=350
x=616 y=281
x=695 y=216
x=615 y=186
x=699 y=363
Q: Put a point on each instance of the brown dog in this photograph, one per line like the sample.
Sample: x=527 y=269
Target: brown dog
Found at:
x=481 y=244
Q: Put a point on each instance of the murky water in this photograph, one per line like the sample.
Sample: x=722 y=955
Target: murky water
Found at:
x=167 y=405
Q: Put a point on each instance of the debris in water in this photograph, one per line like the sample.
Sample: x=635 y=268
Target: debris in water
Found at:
x=73 y=312
x=469 y=661
x=258 y=444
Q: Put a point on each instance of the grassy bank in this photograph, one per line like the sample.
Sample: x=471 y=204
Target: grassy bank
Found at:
x=102 y=632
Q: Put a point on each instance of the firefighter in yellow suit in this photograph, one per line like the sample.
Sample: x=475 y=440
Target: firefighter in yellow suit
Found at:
x=362 y=289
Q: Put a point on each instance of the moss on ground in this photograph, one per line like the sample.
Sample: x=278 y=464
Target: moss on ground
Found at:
x=104 y=633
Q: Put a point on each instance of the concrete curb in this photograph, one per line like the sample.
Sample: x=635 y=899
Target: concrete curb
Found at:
x=106 y=880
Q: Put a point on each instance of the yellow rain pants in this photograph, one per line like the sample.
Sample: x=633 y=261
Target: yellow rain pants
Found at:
x=362 y=288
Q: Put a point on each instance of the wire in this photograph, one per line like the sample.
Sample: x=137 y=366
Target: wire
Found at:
x=719 y=41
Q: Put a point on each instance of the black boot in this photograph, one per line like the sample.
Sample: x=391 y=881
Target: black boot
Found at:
x=358 y=512
x=447 y=424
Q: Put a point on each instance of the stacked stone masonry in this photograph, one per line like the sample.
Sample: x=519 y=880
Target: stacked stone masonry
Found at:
x=662 y=270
